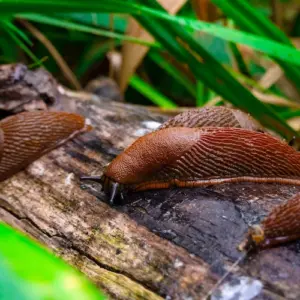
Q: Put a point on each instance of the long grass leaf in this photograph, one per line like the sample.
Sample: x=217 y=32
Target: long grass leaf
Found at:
x=151 y=93
x=173 y=72
x=249 y=19
x=22 y=45
x=84 y=28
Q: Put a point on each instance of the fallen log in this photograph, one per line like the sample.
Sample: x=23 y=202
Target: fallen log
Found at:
x=172 y=244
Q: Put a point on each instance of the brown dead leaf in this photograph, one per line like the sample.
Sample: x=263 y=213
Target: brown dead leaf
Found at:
x=274 y=74
x=294 y=123
x=205 y=10
x=133 y=54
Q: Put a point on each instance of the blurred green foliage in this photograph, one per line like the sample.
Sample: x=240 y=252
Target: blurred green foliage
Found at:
x=27 y=271
x=208 y=50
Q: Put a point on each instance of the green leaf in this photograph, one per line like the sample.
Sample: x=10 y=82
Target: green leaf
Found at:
x=251 y=20
x=200 y=101
x=239 y=60
x=17 y=31
x=151 y=93
x=275 y=49
x=93 y=54
x=290 y=114
x=267 y=46
x=27 y=271
x=97 y=19
x=174 y=72
x=84 y=28
x=14 y=35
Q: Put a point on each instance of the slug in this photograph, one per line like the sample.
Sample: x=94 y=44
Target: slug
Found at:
x=217 y=116
x=193 y=157
x=24 y=137
x=280 y=226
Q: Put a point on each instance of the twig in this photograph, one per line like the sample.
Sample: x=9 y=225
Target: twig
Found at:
x=69 y=75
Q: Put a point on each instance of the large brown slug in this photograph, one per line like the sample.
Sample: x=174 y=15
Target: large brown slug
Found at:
x=27 y=136
x=192 y=157
x=182 y=153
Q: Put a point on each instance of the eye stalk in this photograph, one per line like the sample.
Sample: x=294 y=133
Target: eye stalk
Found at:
x=111 y=188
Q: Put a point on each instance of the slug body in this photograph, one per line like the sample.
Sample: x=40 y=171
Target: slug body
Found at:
x=192 y=157
x=280 y=226
x=27 y=136
x=217 y=116
x=211 y=146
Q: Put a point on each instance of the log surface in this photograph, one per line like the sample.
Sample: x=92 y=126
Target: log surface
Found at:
x=172 y=244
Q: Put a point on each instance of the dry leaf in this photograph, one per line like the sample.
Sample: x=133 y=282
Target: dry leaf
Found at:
x=205 y=10
x=133 y=54
x=294 y=123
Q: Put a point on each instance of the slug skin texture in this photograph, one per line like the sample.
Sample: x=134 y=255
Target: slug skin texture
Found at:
x=190 y=157
x=27 y=136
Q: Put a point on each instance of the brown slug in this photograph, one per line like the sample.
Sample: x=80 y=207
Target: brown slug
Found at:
x=217 y=116
x=182 y=153
x=192 y=157
x=24 y=137
x=280 y=226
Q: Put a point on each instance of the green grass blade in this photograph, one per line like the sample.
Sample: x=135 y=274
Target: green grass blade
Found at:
x=239 y=60
x=263 y=25
x=20 y=43
x=249 y=19
x=84 y=28
x=94 y=54
x=96 y=19
x=18 y=32
x=200 y=100
x=27 y=271
x=290 y=114
x=275 y=49
x=283 y=52
x=149 y=92
x=174 y=72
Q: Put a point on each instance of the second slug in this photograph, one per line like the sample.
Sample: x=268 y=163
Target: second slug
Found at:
x=280 y=226
x=27 y=136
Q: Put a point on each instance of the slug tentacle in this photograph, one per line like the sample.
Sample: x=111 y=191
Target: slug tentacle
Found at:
x=95 y=178
x=114 y=192
x=29 y=135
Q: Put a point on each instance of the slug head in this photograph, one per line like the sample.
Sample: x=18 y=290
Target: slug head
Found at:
x=113 y=190
x=140 y=161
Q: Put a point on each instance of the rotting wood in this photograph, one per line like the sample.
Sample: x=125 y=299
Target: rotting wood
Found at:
x=170 y=244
